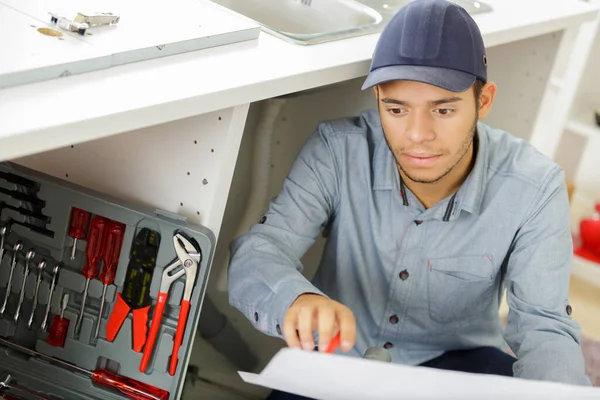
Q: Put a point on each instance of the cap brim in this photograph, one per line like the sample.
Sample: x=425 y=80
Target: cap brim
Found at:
x=449 y=79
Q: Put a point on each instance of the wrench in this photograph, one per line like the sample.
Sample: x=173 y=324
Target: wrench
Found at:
x=40 y=269
x=28 y=257
x=13 y=263
x=52 y=285
x=4 y=232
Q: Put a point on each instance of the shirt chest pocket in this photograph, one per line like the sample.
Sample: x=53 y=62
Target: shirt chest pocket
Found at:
x=460 y=288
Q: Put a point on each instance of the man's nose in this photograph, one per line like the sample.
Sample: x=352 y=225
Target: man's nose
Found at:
x=419 y=127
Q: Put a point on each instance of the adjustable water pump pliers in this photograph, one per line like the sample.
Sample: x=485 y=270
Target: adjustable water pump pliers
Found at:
x=188 y=258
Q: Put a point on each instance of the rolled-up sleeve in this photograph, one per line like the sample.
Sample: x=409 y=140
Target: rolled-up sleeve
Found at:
x=540 y=330
x=265 y=271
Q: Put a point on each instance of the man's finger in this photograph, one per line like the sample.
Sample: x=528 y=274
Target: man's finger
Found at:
x=326 y=323
x=290 y=324
x=305 y=319
x=347 y=329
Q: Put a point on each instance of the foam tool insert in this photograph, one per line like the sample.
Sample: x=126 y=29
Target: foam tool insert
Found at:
x=80 y=275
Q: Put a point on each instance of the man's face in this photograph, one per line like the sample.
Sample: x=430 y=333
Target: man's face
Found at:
x=429 y=129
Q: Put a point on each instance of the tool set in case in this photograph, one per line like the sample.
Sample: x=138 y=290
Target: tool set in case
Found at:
x=98 y=300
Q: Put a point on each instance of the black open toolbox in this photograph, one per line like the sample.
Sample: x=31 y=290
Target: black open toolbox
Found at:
x=36 y=213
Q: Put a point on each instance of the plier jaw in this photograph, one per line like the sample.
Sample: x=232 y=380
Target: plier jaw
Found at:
x=188 y=259
x=188 y=256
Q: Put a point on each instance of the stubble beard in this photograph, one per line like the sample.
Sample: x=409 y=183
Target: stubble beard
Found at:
x=462 y=151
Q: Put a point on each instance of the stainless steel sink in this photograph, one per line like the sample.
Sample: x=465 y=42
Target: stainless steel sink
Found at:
x=308 y=22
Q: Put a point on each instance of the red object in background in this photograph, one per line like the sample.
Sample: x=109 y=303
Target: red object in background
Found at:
x=589 y=234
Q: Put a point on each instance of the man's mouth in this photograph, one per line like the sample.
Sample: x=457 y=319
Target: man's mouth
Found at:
x=421 y=159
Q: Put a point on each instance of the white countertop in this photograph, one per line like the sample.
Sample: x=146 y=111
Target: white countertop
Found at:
x=47 y=115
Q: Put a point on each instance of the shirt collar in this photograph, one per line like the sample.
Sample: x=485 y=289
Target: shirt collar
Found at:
x=470 y=194
x=385 y=172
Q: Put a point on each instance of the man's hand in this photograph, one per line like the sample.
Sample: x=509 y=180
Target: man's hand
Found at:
x=312 y=312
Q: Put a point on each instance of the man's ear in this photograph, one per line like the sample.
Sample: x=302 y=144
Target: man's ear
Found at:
x=376 y=91
x=486 y=98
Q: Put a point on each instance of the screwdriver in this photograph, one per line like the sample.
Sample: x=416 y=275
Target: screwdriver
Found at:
x=93 y=252
x=60 y=325
x=110 y=259
x=78 y=227
x=132 y=389
x=6 y=384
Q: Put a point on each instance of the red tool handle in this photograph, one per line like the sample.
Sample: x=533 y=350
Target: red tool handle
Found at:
x=118 y=315
x=140 y=328
x=140 y=323
x=80 y=220
x=335 y=342
x=131 y=388
x=95 y=246
x=112 y=251
x=156 y=319
x=183 y=314
x=58 y=331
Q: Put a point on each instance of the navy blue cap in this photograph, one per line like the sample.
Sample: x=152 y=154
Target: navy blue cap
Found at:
x=431 y=41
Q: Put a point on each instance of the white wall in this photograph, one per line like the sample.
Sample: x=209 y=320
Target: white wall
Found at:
x=587 y=176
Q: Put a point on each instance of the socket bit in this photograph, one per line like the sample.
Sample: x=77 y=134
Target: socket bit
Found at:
x=40 y=269
x=28 y=257
x=55 y=271
x=13 y=263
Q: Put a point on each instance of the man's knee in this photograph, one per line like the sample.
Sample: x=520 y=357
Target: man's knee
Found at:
x=483 y=360
x=491 y=360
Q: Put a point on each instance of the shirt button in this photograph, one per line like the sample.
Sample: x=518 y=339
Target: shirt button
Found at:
x=388 y=345
x=569 y=310
x=278 y=329
x=256 y=316
x=404 y=275
x=394 y=319
x=418 y=222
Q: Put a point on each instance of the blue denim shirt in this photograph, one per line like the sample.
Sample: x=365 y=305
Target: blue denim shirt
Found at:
x=420 y=281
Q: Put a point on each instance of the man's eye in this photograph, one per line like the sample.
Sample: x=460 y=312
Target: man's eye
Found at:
x=444 y=111
x=395 y=110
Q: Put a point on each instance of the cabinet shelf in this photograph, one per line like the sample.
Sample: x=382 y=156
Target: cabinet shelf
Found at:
x=584 y=124
x=586 y=270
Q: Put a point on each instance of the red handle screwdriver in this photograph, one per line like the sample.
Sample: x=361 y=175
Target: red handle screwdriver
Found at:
x=80 y=220
x=60 y=325
x=93 y=252
x=132 y=389
x=110 y=259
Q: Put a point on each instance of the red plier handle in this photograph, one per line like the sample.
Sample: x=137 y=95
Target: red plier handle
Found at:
x=118 y=316
x=181 y=322
x=188 y=258
x=159 y=309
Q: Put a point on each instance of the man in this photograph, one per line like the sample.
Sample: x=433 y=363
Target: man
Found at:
x=429 y=214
